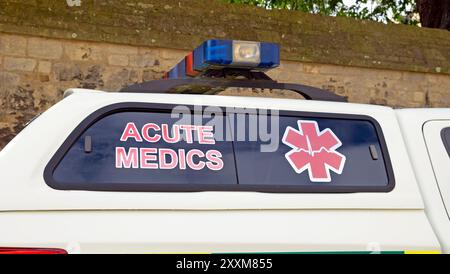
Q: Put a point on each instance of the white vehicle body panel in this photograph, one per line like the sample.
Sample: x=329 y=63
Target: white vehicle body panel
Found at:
x=413 y=123
x=219 y=231
x=439 y=157
x=32 y=213
x=53 y=130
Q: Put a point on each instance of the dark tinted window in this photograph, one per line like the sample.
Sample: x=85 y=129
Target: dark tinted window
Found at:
x=118 y=152
x=445 y=134
x=134 y=147
x=317 y=152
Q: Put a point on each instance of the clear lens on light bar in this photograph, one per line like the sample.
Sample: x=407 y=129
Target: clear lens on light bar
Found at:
x=219 y=54
x=246 y=53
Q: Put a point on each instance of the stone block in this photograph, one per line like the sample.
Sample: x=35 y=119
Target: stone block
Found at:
x=19 y=64
x=13 y=45
x=118 y=60
x=44 y=67
x=44 y=48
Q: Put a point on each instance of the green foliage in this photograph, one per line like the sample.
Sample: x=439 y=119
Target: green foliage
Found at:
x=387 y=11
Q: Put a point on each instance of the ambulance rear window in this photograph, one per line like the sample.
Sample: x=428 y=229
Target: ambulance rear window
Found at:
x=317 y=152
x=130 y=150
x=144 y=147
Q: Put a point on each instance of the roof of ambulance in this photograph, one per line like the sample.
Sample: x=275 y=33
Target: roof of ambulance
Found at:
x=221 y=100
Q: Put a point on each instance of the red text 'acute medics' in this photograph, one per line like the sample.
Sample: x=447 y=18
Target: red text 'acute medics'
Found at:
x=167 y=158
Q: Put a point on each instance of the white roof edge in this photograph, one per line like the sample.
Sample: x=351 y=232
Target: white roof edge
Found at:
x=200 y=98
x=80 y=90
x=422 y=109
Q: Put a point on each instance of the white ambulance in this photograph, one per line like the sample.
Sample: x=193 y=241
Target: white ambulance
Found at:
x=151 y=169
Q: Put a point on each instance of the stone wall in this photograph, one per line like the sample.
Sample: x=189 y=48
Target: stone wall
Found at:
x=48 y=46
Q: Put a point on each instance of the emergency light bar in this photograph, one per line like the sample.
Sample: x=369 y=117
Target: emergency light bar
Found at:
x=219 y=54
x=218 y=64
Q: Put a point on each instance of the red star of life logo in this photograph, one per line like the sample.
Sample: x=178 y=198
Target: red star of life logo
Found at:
x=313 y=150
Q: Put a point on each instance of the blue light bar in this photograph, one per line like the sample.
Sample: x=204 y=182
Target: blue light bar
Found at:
x=270 y=55
x=213 y=53
x=219 y=54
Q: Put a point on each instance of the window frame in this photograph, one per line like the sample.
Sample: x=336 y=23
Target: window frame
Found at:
x=444 y=132
x=164 y=108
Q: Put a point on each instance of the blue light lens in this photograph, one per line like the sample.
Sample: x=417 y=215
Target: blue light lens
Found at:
x=218 y=52
x=270 y=55
x=179 y=71
x=213 y=53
